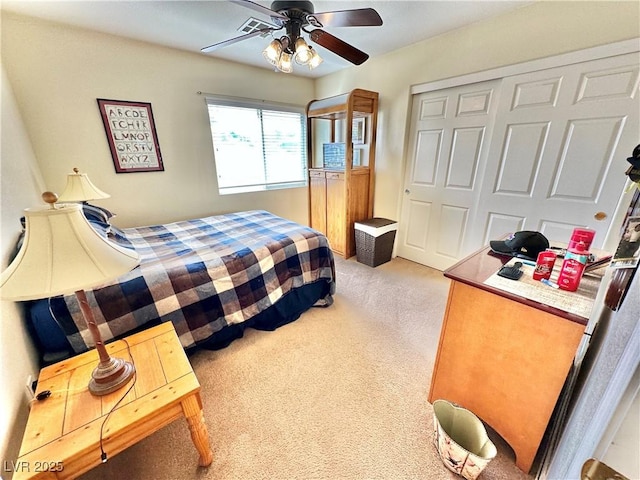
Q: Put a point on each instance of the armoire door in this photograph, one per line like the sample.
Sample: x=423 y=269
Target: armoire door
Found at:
x=318 y=200
x=551 y=157
x=336 y=212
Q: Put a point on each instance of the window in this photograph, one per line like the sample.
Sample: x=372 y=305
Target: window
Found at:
x=257 y=146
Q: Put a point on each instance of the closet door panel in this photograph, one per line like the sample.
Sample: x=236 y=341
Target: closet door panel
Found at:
x=557 y=156
x=449 y=131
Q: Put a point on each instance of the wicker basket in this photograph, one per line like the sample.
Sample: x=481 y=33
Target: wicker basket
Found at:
x=374 y=240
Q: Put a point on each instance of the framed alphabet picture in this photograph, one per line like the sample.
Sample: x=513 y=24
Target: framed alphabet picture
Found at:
x=132 y=137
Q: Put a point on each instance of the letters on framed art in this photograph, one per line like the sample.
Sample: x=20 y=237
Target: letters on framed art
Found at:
x=132 y=136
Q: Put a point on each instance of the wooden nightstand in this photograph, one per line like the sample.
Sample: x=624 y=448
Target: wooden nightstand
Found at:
x=62 y=438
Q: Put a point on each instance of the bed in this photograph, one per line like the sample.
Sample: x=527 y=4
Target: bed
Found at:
x=211 y=277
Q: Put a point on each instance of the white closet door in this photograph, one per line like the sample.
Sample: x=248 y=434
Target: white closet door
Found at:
x=558 y=155
x=541 y=151
x=449 y=132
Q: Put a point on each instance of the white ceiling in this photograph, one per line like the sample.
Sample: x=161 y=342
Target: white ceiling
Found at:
x=191 y=25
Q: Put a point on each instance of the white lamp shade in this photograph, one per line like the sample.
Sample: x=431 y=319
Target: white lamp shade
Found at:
x=62 y=254
x=80 y=189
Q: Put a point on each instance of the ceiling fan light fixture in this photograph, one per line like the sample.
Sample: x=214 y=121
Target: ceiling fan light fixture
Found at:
x=296 y=16
x=273 y=52
x=315 y=59
x=285 y=65
x=303 y=53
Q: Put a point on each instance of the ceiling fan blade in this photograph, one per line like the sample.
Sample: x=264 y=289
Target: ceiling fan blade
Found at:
x=231 y=41
x=259 y=8
x=360 y=17
x=337 y=46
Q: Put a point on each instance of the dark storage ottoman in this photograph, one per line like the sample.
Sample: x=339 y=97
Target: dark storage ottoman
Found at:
x=374 y=240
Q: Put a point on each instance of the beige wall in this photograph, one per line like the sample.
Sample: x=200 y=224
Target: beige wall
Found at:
x=537 y=31
x=20 y=183
x=59 y=72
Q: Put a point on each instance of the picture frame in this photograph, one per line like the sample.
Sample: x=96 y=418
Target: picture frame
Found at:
x=132 y=136
x=358 y=131
x=333 y=155
x=627 y=255
x=623 y=269
x=357 y=158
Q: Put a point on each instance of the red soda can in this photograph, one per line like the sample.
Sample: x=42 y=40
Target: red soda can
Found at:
x=544 y=265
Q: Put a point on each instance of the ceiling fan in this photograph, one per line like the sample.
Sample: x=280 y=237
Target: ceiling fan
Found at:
x=299 y=16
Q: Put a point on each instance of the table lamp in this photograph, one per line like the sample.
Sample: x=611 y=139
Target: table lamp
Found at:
x=63 y=254
x=80 y=189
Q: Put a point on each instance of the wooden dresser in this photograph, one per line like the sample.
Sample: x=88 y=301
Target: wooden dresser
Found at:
x=503 y=356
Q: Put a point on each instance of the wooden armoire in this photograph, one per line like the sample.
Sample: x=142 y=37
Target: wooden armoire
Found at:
x=341 y=155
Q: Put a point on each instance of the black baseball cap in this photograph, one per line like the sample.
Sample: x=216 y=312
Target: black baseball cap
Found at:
x=525 y=244
x=634 y=170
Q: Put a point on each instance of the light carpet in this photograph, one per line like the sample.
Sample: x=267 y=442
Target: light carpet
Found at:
x=341 y=393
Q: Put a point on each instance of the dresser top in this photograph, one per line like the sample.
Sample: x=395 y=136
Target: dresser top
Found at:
x=479 y=270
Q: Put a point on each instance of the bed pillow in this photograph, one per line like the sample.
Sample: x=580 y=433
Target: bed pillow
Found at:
x=104 y=229
x=116 y=232
x=19 y=242
x=118 y=236
x=98 y=217
x=98 y=214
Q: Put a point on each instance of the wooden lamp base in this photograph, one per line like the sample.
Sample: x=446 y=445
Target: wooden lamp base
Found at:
x=111 y=373
x=109 y=376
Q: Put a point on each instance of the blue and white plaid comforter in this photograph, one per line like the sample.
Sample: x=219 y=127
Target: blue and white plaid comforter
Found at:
x=202 y=275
